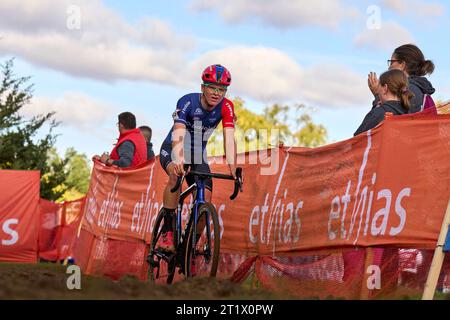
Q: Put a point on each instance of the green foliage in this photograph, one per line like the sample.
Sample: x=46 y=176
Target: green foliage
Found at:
x=52 y=181
x=78 y=171
x=21 y=149
x=290 y=125
x=68 y=177
x=77 y=175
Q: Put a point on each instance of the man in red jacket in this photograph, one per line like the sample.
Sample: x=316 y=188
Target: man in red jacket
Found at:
x=131 y=147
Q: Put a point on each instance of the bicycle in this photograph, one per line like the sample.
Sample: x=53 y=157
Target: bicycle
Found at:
x=191 y=247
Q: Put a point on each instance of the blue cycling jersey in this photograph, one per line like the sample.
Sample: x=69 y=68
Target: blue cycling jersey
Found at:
x=200 y=123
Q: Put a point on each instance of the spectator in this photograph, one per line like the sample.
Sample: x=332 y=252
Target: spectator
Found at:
x=394 y=97
x=410 y=59
x=147 y=133
x=130 y=149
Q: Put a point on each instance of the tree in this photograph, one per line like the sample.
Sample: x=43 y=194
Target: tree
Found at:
x=20 y=149
x=68 y=177
x=276 y=124
x=52 y=181
x=308 y=134
x=77 y=175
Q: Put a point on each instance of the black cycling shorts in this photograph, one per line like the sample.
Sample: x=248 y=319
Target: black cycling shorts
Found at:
x=165 y=157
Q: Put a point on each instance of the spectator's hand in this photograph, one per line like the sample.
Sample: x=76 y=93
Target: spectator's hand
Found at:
x=373 y=81
x=104 y=158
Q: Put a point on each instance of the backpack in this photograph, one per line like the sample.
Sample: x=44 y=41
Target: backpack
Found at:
x=428 y=102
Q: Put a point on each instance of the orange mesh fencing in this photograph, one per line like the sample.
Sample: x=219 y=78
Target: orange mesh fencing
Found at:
x=48 y=232
x=71 y=214
x=59 y=226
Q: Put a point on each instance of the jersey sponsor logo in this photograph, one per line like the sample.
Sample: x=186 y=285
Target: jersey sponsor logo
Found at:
x=212 y=120
x=164 y=153
x=186 y=105
x=230 y=109
x=198 y=111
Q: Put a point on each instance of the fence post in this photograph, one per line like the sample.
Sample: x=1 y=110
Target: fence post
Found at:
x=438 y=259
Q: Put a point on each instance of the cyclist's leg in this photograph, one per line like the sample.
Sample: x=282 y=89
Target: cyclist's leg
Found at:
x=170 y=200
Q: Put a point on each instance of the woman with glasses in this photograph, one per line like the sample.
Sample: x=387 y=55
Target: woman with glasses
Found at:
x=410 y=59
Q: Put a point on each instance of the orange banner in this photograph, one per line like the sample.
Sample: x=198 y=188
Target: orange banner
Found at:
x=71 y=215
x=19 y=215
x=49 y=227
x=388 y=186
x=60 y=223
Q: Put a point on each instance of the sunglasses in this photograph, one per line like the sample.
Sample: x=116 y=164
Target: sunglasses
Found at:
x=389 y=62
x=215 y=88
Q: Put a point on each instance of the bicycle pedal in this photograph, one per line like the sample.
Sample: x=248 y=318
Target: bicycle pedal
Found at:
x=154 y=263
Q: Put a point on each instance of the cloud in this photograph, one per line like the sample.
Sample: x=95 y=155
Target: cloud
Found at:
x=418 y=8
x=74 y=109
x=281 y=14
x=105 y=47
x=108 y=48
x=269 y=75
x=388 y=37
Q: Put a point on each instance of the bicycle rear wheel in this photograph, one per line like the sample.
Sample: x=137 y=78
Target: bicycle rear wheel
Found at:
x=203 y=258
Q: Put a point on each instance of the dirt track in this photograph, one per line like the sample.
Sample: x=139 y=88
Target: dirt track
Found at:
x=48 y=281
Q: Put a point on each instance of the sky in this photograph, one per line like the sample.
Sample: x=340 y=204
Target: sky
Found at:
x=90 y=60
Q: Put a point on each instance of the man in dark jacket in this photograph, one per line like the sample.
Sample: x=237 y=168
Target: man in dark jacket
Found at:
x=147 y=133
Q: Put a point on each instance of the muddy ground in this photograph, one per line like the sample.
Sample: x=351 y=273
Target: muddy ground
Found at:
x=49 y=281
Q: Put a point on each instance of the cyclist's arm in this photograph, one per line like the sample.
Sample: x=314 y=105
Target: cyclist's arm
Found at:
x=180 y=117
x=228 y=121
x=230 y=149
x=179 y=131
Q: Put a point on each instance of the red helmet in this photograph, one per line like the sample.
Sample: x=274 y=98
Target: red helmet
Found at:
x=217 y=74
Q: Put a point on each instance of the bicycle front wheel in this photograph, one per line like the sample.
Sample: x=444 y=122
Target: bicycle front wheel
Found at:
x=161 y=265
x=203 y=257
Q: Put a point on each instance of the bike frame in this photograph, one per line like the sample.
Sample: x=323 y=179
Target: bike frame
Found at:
x=199 y=199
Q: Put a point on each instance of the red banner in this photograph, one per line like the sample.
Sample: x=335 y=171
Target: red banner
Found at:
x=388 y=186
x=19 y=215
x=48 y=230
x=71 y=213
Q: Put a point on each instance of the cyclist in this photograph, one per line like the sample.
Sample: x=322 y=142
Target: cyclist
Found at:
x=195 y=118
